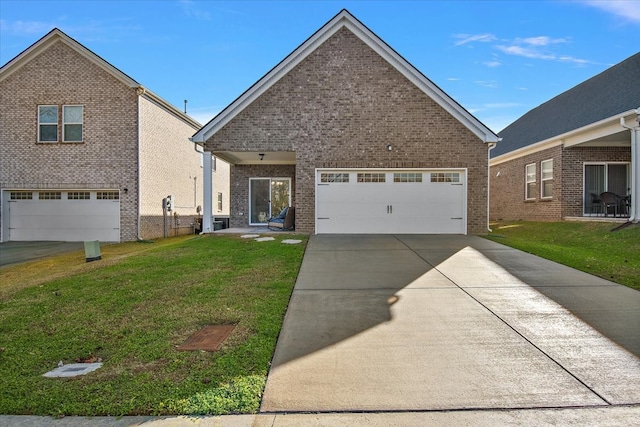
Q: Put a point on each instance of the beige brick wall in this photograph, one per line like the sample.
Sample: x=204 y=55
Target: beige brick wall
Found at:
x=340 y=107
x=107 y=158
x=507 y=190
x=170 y=166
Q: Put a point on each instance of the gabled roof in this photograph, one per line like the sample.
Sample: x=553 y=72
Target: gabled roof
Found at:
x=612 y=93
x=56 y=35
x=344 y=19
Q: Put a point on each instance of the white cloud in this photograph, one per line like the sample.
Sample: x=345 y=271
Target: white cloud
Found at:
x=453 y=79
x=487 y=83
x=190 y=9
x=541 y=41
x=492 y=64
x=623 y=8
x=26 y=28
x=533 y=53
x=468 y=38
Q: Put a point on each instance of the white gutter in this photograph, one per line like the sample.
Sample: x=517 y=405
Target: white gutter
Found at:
x=634 y=213
x=140 y=91
x=491 y=146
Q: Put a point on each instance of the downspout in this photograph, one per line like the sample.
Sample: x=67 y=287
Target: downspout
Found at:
x=139 y=91
x=491 y=146
x=635 y=167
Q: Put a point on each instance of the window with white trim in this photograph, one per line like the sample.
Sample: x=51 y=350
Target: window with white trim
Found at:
x=108 y=195
x=530 y=181
x=546 y=178
x=47 y=123
x=219 y=202
x=371 y=177
x=445 y=177
x=21 y=195
x=334 y=177
x=72 y=123
x=78 y=195
x=50 y=195
x=407 y=177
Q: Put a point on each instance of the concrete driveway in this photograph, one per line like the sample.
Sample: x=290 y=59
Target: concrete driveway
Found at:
x=387 y=323
x=16 y=252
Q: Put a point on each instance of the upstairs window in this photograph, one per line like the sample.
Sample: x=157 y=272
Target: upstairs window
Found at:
x=72 y=123
x=546 y=178
x=530 y=180
x=47 y=123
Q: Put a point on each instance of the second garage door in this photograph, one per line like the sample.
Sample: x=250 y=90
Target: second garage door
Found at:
x=391 y=201
x=60 y=215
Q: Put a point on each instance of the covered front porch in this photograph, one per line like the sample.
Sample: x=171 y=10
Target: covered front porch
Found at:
x=608 y=154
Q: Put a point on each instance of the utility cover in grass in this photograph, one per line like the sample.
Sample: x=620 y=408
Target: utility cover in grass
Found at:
x=73 y=370
x=209 y=338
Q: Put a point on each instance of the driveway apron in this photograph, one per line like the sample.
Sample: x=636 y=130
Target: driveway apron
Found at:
x=435 y=322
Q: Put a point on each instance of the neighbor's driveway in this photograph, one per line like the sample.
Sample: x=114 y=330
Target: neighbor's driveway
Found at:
x=16 y=252
x=388 y=323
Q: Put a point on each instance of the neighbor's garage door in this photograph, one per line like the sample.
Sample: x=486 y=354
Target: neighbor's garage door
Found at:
x=70 y=216
x=391 y=201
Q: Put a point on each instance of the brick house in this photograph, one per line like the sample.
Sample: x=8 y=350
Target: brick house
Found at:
x=87 y=153
x=556 y=160
x=356 y=139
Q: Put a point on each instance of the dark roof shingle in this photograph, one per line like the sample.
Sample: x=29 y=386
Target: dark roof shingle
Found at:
x=615 y=90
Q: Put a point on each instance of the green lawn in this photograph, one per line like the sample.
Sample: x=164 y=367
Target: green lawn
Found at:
x=588 y=246
x=132 y=310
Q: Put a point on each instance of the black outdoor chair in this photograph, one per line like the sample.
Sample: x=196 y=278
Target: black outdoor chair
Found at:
x=610 y=200
x=596 y=204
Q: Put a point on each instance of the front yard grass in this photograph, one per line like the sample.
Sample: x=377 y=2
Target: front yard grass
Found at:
x=132 y=310
x=588 y=246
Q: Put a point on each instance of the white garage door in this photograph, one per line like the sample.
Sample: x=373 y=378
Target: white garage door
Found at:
x=70 y=216
x=391 y=201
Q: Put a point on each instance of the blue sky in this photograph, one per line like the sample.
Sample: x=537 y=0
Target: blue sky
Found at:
x=498 y=59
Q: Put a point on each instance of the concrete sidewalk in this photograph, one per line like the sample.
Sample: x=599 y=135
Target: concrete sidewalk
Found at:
x=448 y=323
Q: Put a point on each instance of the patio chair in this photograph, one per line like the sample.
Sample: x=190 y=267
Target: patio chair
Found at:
x=284 y=221
x=610 y=200
x=596 y=204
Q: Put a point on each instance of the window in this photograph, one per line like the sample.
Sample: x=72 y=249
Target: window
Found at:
x=371 y=177
x=530 y=180
x=108 y=195
x=21 y=195
x=334 y=177
x=78 y=195
x=72 y=123
x=546 y=178
x=219 y=202
x=407 y=177
x=50 y=195
x=47 y=123
x=445 y=177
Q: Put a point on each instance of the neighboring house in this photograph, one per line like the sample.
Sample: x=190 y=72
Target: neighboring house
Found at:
x=356 y=139
x=87 y=153
x=556 y=160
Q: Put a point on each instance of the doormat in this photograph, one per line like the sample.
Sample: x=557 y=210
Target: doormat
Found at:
x=209 y=338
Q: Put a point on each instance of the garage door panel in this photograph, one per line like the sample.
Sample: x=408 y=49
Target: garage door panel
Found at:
x=424 y=207
x=64 y=220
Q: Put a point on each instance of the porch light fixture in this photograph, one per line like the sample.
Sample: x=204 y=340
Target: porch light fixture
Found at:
x=389 y=147
x=261 y=155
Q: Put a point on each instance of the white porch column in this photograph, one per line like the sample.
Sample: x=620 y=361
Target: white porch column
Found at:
x=634 y=213
x=207 y=199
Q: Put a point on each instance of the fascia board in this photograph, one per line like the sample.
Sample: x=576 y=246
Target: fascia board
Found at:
x=168 y=107
x=345 y=19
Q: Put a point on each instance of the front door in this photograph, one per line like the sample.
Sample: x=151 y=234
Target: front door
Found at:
x=268 y=196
